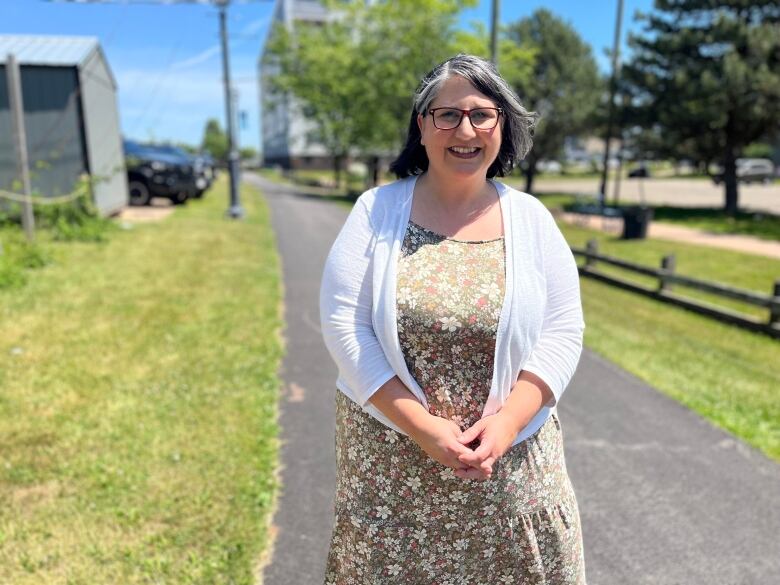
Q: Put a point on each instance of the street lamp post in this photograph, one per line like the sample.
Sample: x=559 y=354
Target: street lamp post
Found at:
x=612 y=91
x=494 y=32
x=235 y=210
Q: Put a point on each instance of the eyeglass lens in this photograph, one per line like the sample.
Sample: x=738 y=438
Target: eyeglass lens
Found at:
x=482 y=118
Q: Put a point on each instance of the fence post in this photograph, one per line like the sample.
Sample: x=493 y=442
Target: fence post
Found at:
x=592 y=248
x=16 y=106
x=667 y=266
x=774 y=311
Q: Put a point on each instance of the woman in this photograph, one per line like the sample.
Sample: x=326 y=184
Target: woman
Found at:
x=450 y=304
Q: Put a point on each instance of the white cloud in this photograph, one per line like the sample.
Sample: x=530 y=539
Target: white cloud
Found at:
x=197 y=59
x=254 y=26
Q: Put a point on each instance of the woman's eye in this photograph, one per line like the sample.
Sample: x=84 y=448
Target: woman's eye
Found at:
x=448 y=114
x=482 y=115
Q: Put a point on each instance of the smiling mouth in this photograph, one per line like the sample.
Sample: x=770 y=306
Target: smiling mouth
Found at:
x=464 y=151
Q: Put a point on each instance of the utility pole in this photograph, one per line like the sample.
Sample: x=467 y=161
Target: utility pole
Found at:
x=494 y=32
x=235 y=210
x=612 y=91
x=16 y=103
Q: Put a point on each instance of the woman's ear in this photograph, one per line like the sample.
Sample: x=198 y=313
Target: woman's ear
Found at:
x=420 y=126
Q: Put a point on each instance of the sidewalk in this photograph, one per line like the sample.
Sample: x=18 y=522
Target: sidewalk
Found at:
x=665 y=497
x=667 y=231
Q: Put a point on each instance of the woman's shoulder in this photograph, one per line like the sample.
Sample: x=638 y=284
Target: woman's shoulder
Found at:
x=385 y=199
x=386 y=194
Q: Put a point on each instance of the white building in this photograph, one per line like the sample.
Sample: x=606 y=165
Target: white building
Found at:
x=284 y=129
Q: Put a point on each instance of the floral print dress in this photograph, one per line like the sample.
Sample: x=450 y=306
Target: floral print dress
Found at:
x=400 y=516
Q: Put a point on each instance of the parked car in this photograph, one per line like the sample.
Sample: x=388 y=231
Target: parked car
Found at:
x=552 y=167
x=200 y=166
x=639 y=172
x=210 y=166
x=154 y=173
x=750 y=170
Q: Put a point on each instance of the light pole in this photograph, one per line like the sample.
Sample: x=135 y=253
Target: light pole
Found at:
x=612 y=90
x=235 y=210
x=494 y=32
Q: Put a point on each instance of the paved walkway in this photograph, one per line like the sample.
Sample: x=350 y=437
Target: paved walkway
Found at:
x=667 y=231
x=662 y=191
x=665 y=498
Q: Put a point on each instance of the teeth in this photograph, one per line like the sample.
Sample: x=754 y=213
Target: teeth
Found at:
x=463 y=150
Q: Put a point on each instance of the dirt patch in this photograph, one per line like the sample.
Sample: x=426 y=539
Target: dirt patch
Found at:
x=35 y=494
x=145 y=213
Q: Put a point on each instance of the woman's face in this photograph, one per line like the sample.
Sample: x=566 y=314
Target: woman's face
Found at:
x=462 y=152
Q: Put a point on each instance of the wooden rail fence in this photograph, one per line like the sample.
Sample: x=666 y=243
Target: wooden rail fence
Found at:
x=667 y=278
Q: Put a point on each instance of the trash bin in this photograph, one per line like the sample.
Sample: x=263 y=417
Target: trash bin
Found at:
x=635 y=222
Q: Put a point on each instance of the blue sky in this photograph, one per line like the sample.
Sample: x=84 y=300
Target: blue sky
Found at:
x=167 y=63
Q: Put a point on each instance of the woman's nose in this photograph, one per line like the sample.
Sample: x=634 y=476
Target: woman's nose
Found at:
x=465 y=128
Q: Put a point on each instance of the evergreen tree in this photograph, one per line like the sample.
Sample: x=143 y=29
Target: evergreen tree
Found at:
x=704 y=81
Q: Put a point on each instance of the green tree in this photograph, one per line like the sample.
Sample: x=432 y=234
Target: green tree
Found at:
x=564 y=87
x=215 y=140
x=704 y=81
x=247 y=153
x=355 y=76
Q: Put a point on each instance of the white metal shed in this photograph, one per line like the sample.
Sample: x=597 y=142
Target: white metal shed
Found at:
x=71 y=118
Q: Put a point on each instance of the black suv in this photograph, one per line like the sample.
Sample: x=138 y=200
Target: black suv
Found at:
x=154 y=173
x=201 y=167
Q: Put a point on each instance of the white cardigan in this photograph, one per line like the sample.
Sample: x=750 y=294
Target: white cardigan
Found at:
x=539 y=329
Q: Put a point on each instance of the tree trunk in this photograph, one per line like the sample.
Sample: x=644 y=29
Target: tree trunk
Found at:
x=337 y=160
x=530 y=173
x=375 y=172
x=372 y=172
x=730 y=180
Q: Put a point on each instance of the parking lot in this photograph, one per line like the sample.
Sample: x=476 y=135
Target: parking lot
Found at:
x=678 y=192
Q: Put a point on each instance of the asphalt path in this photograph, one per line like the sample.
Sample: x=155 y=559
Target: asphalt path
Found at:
x=661 y=191
x=665 y=498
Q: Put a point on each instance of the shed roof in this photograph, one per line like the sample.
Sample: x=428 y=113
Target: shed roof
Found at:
x=56 y=51
x=47 y=50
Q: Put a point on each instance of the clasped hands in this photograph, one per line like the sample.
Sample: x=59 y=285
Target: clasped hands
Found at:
x=444 y=442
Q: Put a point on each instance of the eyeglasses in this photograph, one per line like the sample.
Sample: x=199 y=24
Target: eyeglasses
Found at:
x=480 y=118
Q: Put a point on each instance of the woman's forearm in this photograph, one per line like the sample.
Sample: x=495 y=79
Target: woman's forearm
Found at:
x=528 y=396
x=398 y=404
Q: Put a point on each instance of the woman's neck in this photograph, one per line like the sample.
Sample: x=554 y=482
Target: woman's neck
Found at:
x=455 y=194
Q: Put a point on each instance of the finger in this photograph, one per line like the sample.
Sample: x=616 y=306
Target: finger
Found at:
x=487 y=465
x=472 y=473
x=470 y=460
x=472 y=432
x=484 y=450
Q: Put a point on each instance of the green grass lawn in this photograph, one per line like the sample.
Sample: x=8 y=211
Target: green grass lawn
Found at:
x=138 y=413
x=726 y=374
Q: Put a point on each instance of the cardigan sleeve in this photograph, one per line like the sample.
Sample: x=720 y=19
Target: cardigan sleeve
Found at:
x=554 y=357
x=346 y=299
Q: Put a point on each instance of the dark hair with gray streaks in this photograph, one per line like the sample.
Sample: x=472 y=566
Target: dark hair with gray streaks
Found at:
x=516 y=128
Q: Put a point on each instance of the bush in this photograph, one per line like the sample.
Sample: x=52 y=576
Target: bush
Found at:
x=75 y=220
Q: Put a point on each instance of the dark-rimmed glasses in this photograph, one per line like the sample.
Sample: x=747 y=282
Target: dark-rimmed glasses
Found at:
x=450 y=118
